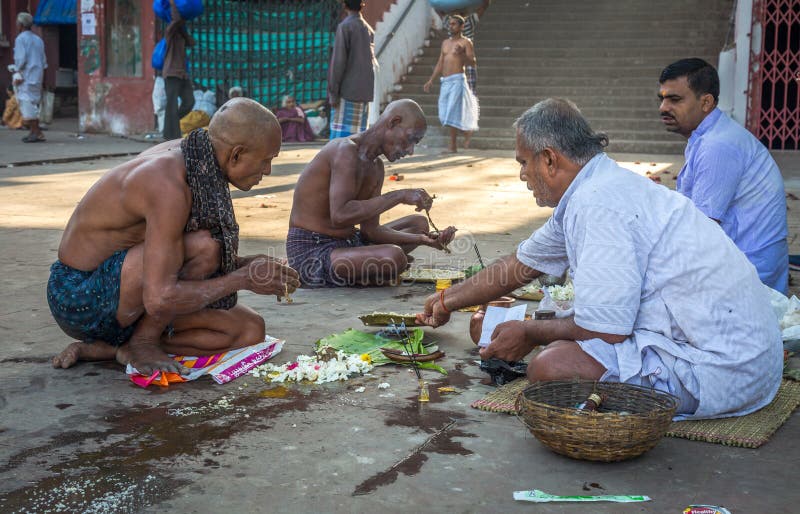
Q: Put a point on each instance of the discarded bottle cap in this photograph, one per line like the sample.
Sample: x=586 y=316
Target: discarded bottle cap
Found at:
x=544 y=314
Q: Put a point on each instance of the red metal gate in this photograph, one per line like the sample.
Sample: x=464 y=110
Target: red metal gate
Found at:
x=773 y=105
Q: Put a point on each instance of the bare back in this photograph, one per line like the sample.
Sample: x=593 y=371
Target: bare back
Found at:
x=112 y=214
x=334 y=176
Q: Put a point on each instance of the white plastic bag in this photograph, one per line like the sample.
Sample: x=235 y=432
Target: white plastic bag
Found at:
x=562 y=308
x=46 y=107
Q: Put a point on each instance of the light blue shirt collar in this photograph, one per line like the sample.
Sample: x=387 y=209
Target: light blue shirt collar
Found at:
x=705 y=125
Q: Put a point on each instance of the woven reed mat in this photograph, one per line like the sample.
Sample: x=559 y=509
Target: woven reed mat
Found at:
x=503 y=399
x=750 y=431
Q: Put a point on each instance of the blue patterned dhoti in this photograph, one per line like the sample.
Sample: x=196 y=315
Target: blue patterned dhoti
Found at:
x=85 y=303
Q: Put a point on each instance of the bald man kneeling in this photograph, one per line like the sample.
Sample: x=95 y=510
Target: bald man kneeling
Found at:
x=341 y=188
x=148 y=263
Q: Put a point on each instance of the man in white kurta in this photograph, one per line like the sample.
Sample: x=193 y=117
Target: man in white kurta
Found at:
x=663 y=297
x=30 y=62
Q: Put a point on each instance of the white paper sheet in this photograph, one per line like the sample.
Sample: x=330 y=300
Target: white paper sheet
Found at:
x=496 y=315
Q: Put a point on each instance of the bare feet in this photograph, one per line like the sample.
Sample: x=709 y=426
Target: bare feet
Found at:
x=148 y=358
x=467 y=139
x=80 y=351
x=449 y=151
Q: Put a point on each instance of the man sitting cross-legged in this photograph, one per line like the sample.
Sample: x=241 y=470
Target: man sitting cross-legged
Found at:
x=340 y=188
x=658 y=284
x=148 y=262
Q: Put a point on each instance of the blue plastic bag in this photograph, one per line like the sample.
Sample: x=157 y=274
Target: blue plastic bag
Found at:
x=189 y=9
x=159 y=52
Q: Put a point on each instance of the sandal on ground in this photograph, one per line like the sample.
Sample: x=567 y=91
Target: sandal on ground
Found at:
x=33 y=139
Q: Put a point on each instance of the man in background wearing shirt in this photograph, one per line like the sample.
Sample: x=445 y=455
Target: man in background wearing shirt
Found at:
x=351 y=75
x=729 y=175
x=176 y=78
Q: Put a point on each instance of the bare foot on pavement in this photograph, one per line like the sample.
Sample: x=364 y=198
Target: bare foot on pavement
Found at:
x=148 y=358
x=80 y=351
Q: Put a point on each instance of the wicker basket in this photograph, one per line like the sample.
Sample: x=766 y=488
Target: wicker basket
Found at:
x=631 y=419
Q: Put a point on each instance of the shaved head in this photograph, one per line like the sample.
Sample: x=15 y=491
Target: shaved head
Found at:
x=409 y=110
x=242 y=121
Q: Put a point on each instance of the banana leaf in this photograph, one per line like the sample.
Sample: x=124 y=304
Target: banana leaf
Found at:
x=357 y=342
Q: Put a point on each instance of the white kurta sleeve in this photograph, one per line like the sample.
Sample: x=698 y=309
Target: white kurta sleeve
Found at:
x=545 y=250
x=609 y=271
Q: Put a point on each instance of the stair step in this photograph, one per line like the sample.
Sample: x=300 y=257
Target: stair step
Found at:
x=652 y=124
x=525 y=99
x=604 y=55
x=619 y=146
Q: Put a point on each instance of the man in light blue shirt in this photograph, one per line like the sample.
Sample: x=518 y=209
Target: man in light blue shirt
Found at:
x=663 y=298
x=729 y=175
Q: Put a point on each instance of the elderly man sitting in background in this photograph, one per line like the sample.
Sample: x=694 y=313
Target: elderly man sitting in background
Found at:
x=658 y=285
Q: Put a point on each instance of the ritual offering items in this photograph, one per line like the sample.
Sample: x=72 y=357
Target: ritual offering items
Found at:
x=628 y=421
x=532 y=291
x=356 y=342
x=431 y=274
x=384 y=319
x=319 y=369
x=398 y=356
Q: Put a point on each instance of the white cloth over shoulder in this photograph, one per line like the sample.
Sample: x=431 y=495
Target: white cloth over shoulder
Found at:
x=30 y=61
x=648 y=264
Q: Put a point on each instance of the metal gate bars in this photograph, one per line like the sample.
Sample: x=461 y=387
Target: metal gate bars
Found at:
x=773 y=110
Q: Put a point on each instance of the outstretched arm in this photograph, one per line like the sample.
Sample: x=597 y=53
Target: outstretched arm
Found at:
x=498 y=279
x=345 y=207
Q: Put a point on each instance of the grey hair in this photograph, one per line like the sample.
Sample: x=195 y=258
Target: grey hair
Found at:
x=558 y=123
x=25 y=19
x=235 y=92
x=285 y=100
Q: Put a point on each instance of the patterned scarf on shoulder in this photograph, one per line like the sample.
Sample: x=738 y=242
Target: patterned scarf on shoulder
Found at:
x=212 y=207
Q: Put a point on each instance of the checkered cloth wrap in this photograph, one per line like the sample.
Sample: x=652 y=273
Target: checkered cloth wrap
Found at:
x=212 y=207
x=458 y=107
x=472 y=78
x=349 y=118
x=310 y=254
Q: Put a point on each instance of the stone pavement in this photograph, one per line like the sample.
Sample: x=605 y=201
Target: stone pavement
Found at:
x=64 y=144
x=87 y=440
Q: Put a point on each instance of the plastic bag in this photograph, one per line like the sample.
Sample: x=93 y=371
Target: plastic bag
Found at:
x=562 y=308
x=189 y=9
x=159 y=53
x=46 y=107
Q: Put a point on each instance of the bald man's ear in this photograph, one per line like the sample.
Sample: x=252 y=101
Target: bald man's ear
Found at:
x=395 y=121
x=237 y=152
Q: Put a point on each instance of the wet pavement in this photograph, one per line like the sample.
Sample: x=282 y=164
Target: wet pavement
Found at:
x=87 y=440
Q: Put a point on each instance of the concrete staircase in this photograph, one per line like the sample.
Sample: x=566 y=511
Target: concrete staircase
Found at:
x=605 y=55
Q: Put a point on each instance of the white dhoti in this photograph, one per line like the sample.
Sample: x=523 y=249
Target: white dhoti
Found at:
x=458 y=106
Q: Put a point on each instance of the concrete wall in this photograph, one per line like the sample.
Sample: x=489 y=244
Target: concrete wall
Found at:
x=374 y=10
x=401 y=47
x=117 y=105
x=747 y=36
